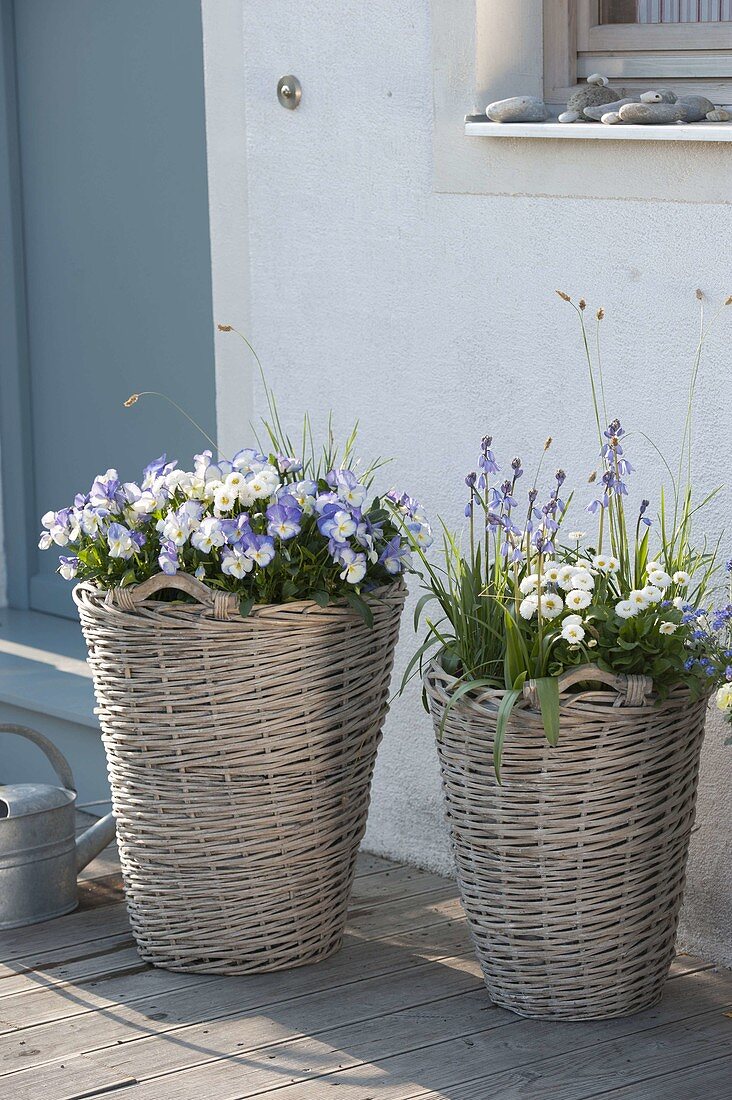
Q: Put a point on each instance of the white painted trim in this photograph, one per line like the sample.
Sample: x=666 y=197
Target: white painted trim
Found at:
x=224 y=83
x=578 y=131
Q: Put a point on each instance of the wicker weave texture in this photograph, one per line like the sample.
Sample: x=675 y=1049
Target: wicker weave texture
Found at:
x=572 y=870
x=240 y=754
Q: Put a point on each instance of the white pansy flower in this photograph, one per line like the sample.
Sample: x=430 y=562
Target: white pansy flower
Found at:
x=529 y=584
x=90 y=520
x=551 y=605
x=667 y=628
x=678 y=602
x=177 y=480
x=612 y=565
x=354 y=566
x=260 y=486
x=68 y=568
x=576 y=536
x=578 y=599
x=652 y=594
x=600 y=561
x=681 y=577
x=208 y=535
x=565 y=575
x=235 y=481
x=145 y=505
x=119 y=542
x=235 y=564
x=638 y=599
x=225 y=499
x=583 y=580
x=652 y=566
x=659 y=578
x=724 y=697
x=343 y=526
x=572 y=620
x=528 y=606
x=572 y=633
x=175 y=529
x=625 y=609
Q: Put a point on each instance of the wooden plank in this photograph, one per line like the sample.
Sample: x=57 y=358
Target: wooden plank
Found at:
x=117 y=955
x=397 y=882
x=117 y=958
x=130 y=980
x=104 y=890
x=19 y=972
x=366 y=864
x=389 y=1009
x=69 y=931
x=79 y=928
x=703 y=1081
x=106 y=863
x=442 y=1046
x=598 y=1071
x=189 y=998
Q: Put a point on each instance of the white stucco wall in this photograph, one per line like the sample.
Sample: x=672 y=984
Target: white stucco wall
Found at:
x=432 y=317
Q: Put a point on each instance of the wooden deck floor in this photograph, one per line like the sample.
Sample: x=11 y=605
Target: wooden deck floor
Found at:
x=400 y=1012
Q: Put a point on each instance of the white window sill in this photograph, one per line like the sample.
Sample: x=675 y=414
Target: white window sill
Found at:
x=480 y=126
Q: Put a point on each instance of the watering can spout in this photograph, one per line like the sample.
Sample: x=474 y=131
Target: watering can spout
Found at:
x=94 y=840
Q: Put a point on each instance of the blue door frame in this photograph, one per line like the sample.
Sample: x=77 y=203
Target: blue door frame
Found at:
x=103 y=178
x=20 y=526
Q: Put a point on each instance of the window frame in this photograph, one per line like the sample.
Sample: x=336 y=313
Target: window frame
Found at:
x=641 y=55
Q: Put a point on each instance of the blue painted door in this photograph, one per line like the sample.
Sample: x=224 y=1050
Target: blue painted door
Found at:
x=110 y=119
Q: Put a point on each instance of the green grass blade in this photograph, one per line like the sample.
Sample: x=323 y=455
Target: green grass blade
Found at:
x=547 y=688
x=508 y=702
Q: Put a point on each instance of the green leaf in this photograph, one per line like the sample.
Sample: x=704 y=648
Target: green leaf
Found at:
x=321 y=598
x=246 y=603
x=421 y=603
x=458 y=693
x=547 y=688
x=516 y=658
x=508 y=702
x=361 y=607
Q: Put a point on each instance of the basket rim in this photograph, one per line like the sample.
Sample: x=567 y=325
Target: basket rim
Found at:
x=107 y=599
x=490 y=698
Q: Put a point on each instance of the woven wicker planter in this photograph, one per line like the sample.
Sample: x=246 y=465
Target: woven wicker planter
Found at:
x=572 y=871
x=240 y=755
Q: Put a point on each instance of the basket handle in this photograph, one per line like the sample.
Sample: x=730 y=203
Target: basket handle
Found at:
x=56 y=758
x=131 y=596
x=633 y=691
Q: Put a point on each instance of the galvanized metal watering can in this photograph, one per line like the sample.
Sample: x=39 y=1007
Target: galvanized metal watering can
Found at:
x=40 y=856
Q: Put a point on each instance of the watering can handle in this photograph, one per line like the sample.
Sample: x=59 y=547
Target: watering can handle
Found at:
x=57 y=759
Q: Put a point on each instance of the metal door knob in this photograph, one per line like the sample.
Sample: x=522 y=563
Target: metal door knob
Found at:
x=289 y=92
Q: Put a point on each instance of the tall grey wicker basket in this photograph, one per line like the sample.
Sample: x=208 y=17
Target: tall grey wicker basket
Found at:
x=572 y=870
x=240 y=754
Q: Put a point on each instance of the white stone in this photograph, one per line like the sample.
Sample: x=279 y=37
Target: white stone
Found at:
x=718 y=115
x=568 y=116
x=518 y=108
x=652 y=114
x=612 y=118
x=658 y=95
x=597 y=78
